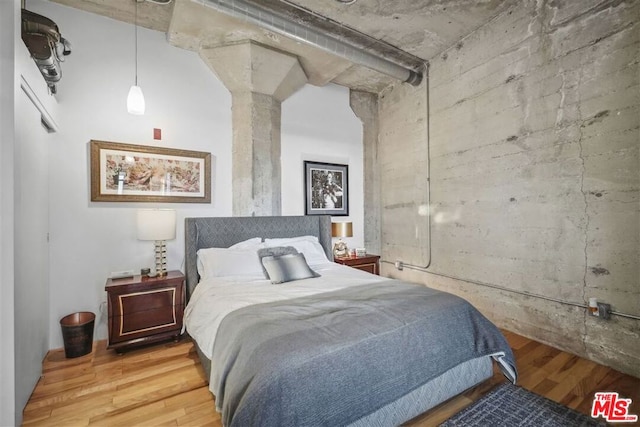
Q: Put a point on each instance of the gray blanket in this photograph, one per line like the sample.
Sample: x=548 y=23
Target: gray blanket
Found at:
x=333 y=358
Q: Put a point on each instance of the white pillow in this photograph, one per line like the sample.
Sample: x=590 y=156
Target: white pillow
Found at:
x=254 y=243
x=307 y=245
x=284 y=241
x=217 y=262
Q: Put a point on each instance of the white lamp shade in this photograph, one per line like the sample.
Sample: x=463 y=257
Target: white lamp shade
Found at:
x=135 y=101
x=156 y=224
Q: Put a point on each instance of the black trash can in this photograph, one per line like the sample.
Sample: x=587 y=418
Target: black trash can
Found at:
x=77 y=333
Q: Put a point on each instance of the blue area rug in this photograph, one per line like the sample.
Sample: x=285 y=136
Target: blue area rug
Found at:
x=508 y=405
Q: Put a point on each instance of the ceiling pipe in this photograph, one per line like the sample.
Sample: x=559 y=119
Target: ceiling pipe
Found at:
x=265 y=18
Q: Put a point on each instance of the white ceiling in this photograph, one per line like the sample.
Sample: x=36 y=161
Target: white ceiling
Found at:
x=422 y=28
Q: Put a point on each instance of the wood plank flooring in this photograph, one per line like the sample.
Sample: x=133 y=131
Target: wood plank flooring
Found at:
x=165 y=385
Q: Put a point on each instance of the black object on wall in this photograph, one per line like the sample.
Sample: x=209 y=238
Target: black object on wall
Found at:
x=46 y=46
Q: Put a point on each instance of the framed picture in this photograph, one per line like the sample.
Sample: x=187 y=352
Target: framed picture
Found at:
x=326 y=188
x=140 y=173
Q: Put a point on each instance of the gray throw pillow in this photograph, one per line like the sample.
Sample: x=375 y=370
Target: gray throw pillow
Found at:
x=274 y=251
x=287 y=268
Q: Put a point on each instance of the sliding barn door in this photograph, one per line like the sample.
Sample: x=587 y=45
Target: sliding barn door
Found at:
x=31 y=250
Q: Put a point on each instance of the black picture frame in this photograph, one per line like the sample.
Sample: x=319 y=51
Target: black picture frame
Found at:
x=326 y=188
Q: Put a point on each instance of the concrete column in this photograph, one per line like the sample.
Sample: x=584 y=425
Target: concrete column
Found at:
x=259 y=79
x=365 y=107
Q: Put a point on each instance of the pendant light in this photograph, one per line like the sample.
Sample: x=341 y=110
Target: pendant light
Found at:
x=135 y=99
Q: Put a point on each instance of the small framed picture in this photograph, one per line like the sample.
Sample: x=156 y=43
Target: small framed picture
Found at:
x=326 y=189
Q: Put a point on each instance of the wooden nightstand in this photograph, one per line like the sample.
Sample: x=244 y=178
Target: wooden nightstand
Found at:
x=368 y=262
x=144 y=309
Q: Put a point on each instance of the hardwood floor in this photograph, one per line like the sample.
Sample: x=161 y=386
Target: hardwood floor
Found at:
x=165 y=385
x=158 y=385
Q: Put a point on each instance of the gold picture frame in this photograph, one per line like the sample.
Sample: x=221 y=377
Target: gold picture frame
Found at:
x=142 y=173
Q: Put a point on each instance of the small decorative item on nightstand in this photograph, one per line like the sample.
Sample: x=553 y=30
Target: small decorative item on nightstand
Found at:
x=368 y=262
x=340 y=230
x=144 y=310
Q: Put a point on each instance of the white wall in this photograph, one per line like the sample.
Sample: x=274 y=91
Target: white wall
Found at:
x=9 y=23
x=319 y=125
x=25 y=193
x=33 y=103
x=193 y=109
x=90 y=240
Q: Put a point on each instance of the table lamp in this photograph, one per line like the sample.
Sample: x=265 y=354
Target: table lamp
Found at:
x=158 y=225
x=340 y=230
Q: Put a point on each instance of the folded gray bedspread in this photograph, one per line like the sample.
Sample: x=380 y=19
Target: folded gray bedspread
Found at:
x=333 y=358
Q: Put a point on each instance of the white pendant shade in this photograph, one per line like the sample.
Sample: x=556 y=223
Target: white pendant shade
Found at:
x=135 y=101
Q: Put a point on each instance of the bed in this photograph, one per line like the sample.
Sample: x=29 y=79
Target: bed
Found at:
x=344 y=348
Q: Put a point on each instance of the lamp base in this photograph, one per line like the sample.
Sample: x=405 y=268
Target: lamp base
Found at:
x=161 y=257
x=340 y=249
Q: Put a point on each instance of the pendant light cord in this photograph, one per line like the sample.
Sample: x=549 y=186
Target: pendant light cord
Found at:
x=136 y=39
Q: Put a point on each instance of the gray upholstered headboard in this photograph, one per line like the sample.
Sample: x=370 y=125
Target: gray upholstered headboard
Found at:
x=223 y=232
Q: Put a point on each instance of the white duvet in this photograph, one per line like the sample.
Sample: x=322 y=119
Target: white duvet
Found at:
x=213 y=299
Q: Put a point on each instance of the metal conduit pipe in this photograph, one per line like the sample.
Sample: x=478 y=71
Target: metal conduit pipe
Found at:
x=264 y=18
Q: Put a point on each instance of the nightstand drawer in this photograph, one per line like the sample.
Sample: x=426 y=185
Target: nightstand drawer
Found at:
x=143 y=310
x=146 y=311
x=368 y=263
x=371 y=267
x=155 y=299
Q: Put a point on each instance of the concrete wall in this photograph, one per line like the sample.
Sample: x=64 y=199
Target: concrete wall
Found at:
x=535 y=173
x=365 y=107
